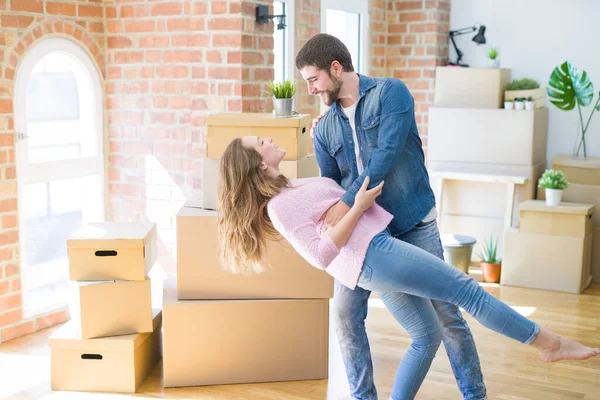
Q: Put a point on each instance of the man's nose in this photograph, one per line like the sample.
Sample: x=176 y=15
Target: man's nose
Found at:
x=311 y=88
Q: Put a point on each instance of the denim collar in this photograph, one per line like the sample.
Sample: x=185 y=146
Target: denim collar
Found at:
x=364 y=84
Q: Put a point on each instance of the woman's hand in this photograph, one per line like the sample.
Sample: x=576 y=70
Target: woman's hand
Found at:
x=365 y=198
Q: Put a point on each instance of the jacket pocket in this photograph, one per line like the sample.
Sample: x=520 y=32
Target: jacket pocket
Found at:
x=337 y=151
x=371 y=129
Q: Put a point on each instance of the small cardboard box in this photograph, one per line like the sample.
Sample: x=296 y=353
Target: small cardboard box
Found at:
x=584 y=172
x=566 y=219
x=538 y=96
x=576 y=193
x=107 y=251
x=550 y=262
x=303 y=168
x=470 y=87
x=216 y=342
x=200 y=275
x=110 y=308
x=488 y=136
x=112 y=364
x=291 y=134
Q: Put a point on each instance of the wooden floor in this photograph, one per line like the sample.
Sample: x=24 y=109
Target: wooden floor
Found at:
x=511 y=370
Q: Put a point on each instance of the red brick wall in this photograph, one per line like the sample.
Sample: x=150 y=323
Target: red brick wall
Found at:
x=378 y=18
x=417 y=43
x=22 y=24
x=308 y=24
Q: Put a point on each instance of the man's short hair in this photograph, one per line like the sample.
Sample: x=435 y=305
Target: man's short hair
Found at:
x=323 y=49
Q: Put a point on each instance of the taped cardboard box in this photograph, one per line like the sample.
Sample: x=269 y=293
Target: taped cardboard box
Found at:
x=488 y=136
x=584 y=172
x=566 y=219
x=106 y=251
x=577 y=193
x=111 y=308
x=291 y=134
x=550 y=262
x=200 y=275
x=470 y=87
x=113 y=364
x=303 y=168
x=217 y=342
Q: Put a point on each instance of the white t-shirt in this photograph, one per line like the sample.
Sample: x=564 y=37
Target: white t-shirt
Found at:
x=350 y=112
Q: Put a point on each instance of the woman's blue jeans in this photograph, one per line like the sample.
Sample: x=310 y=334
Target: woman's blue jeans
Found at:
x=392 y=265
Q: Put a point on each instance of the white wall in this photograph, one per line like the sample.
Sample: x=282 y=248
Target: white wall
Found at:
x=533 y=37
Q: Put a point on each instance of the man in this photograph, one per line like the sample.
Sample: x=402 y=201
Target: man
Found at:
x=370 y=130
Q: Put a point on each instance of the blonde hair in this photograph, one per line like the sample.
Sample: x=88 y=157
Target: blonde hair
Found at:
x=243 y=225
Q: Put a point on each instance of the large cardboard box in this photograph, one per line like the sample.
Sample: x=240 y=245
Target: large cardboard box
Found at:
x=595 y=267
x=304 y=168
x=108 y=308
x=480 y=228
x=576 y=193
x=291 y=134
x=107 y=251
x=111 y=364
x=488 y=136
x=470 y=87
x=560 y=263
x=483 y=199
x=566 y=219
x=215 y=342
x=200 y=275
x=585 y=172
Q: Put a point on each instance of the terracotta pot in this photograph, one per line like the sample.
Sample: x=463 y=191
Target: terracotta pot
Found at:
x=491 y=272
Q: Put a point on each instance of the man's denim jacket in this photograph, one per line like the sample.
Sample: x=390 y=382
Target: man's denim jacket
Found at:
x=391 y=151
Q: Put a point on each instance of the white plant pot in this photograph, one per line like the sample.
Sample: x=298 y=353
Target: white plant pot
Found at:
x=529 y=105
x=493 y=63
x=553 y=196
x=509 y=105
x=519 y=105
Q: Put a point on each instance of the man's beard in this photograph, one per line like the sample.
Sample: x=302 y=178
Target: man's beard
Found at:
x=331 y=96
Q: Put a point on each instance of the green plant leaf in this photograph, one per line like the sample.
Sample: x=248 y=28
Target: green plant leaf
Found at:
x=569 y=86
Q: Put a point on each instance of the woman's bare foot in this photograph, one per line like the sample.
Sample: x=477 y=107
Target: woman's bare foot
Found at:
x=553 y=347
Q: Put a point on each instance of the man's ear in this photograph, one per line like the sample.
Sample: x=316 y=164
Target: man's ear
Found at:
x=336 y=69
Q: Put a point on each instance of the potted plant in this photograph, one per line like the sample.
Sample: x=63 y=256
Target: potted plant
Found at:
x=525 y=88
x=569 y=87
x=554 y=182
x=493 y=61
x=529 y=103
x=519 y=104
x=283 y=93
x=509 y=104
x=490 y=263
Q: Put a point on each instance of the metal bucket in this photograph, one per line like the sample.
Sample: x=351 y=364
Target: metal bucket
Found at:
x=458 y=250
x=283 y=107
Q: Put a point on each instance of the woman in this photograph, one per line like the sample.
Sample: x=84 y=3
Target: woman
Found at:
x=256 y=202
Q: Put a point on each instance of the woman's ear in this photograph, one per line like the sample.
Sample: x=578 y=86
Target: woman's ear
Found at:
x=263 y=166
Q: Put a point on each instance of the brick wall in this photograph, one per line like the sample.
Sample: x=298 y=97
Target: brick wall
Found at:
x=22 y=24
x=166 y=65
x=417 y=43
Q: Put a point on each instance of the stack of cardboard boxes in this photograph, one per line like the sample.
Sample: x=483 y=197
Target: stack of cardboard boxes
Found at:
x=223 y=328
x=479 y=147
x=113 y=339
x=552 y=247
x=584 y=187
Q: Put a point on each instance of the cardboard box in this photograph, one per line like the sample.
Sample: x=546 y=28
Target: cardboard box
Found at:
x=483 y=199
x=537 y=95
x=216 y=342
x=291 y=134
x=107 y=251
x=303 y=168
x=112 y=364
x=576 y=193
x=566 y=219
x=108 y=308
x=200 y=275
x=488 y=136
x=584 y=172
x=560 y=263
x=470 y=87
x=595 y=267
x=481 y=228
